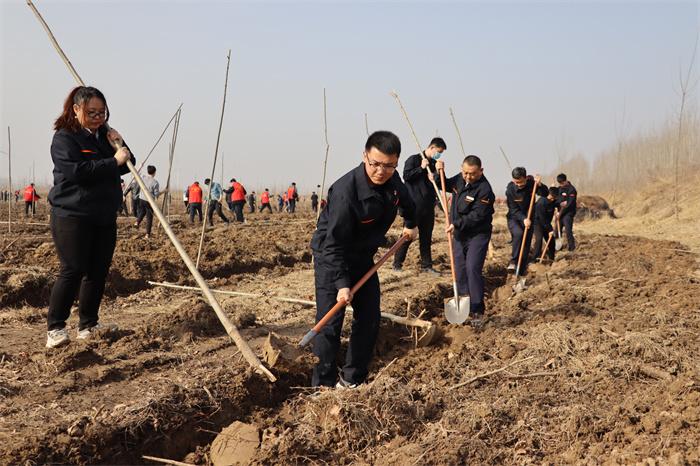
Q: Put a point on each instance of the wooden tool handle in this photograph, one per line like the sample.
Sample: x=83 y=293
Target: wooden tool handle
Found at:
x=546 y=245
x=529 y=214
x=447 y=222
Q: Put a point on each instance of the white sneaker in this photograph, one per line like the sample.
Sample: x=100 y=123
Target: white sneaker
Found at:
x=344 y=384
x=56 y=338
x=86 y=333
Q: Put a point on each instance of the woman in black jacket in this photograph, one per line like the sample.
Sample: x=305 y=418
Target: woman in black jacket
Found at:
x=84 y=200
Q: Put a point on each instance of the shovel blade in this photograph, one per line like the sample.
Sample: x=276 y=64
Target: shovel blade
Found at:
x=519 y=286
x=457 y=314
x=558 y=244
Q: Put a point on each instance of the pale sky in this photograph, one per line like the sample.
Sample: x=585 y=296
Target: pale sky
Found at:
x=519 y=74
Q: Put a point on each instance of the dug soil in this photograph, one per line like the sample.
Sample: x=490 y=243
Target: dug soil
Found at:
x=595 y=362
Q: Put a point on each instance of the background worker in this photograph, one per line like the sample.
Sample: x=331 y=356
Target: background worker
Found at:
x=567 y=209
x=265 y=201
x=84 y=199
x=30 y=198
x=292 y=198
x=362 y=206
x=123 y=209
x=418 y=181
x=214 y=199
x=134 y=190
x=194 y=196
x=471 y=219
x=145 y=209
x=518 y=195
x=542 y=223
x=314 y=201
x=251 y=202
x=236 y=193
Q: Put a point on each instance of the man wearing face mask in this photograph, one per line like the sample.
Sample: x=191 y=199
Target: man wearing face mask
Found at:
x=418 y=181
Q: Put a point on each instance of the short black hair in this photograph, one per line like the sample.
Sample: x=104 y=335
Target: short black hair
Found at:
x=554 y=191
x=266 y=189
x=472 y=160
x=385 y=142
x=232 y=180
x=519 y=172
x=561 y=177
x=206 y=181
x=438 y=142
x=151 y=170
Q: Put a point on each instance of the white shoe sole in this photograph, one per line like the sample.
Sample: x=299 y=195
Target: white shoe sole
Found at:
x=57 y=345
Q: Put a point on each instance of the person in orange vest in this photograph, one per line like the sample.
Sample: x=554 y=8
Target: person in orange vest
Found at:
x=194 y=197
x=30 y=198
x=292 y=197
x=285 y=202
x=265 y=201
x=236 y=199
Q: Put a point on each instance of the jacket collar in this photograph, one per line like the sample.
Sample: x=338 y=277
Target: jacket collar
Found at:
x=362 y=185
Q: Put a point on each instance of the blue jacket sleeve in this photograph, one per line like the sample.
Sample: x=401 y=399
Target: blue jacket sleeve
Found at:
x=339 y=233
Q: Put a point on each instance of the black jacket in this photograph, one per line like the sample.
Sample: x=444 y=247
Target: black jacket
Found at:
x=86 y=177
x=567 y=194
x=472 y=209
x=544 y=212
x=518 y=200
x=353 y=224
x=419 y=186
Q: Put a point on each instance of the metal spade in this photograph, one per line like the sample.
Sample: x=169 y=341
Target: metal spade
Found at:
x=456 y=308
x=558 y=242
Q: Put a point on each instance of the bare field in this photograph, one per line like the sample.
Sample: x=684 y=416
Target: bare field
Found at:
x=596 y=362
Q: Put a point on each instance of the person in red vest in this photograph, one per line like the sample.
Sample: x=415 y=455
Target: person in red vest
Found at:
x=292 y=197
x=30 y=198
x=265 y=201
x=194 y=197
x=236 y=199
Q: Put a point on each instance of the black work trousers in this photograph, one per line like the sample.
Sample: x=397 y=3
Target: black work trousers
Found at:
x=292 y=206
x=365 y=326
x=195 y=207
x=238 y=210
x=135 y=206
x=266 y=206
x=516 y=230
x=541 y=237
x=29 y=206
x=215 y=206
x=251 y=207
x=85 y=250
x=567 y=224
x=425 y=220
x=146 y=211
x=470 y=254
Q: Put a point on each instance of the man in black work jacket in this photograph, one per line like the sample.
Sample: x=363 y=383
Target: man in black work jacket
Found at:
x=544 y=211
x=471 y=218
x=417 y=177
x=362 y=206
x=518 y=195
x=567 y=209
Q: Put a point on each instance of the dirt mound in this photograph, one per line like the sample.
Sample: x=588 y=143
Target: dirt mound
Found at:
x=29 y=286
x=193 y=319
x=593 y=207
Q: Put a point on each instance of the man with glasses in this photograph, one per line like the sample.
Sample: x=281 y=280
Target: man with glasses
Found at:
x=417 y=174
x=362 y=206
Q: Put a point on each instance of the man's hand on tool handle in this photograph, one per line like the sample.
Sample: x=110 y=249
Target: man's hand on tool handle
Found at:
x=449 y=229
x=344 y=294
x=424 y=163
x=439 y=165
x=527 y=222
x=122 y=155
x=410 y=233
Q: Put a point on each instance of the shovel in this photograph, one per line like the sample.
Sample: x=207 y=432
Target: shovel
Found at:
x=341 y=304
x=456 y=309
x=546 y=245
x=559 y=242
x=519 y=286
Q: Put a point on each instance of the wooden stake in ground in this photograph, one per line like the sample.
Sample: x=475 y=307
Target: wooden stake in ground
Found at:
x=420 y=148
x=231 y=329
x=213 y=167
x=171 y=157
x=366 y=126
x=459 y=133
x=9 y=174
x=33 y=190
x=325 y=160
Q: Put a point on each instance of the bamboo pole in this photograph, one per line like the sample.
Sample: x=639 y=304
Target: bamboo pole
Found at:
x=126 y=186
x=459 y=133
x=420 y=148
x=304 y=302
x=231 y=329
x=171 y=157
x=506 y=157
x=9 y=173
x=213 y=168
x=325 y=160
x=366 y=126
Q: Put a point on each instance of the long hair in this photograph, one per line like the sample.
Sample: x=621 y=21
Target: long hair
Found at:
x=78 y=96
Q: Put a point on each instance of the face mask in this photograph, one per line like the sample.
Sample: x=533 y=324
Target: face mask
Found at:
x=437 y=155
